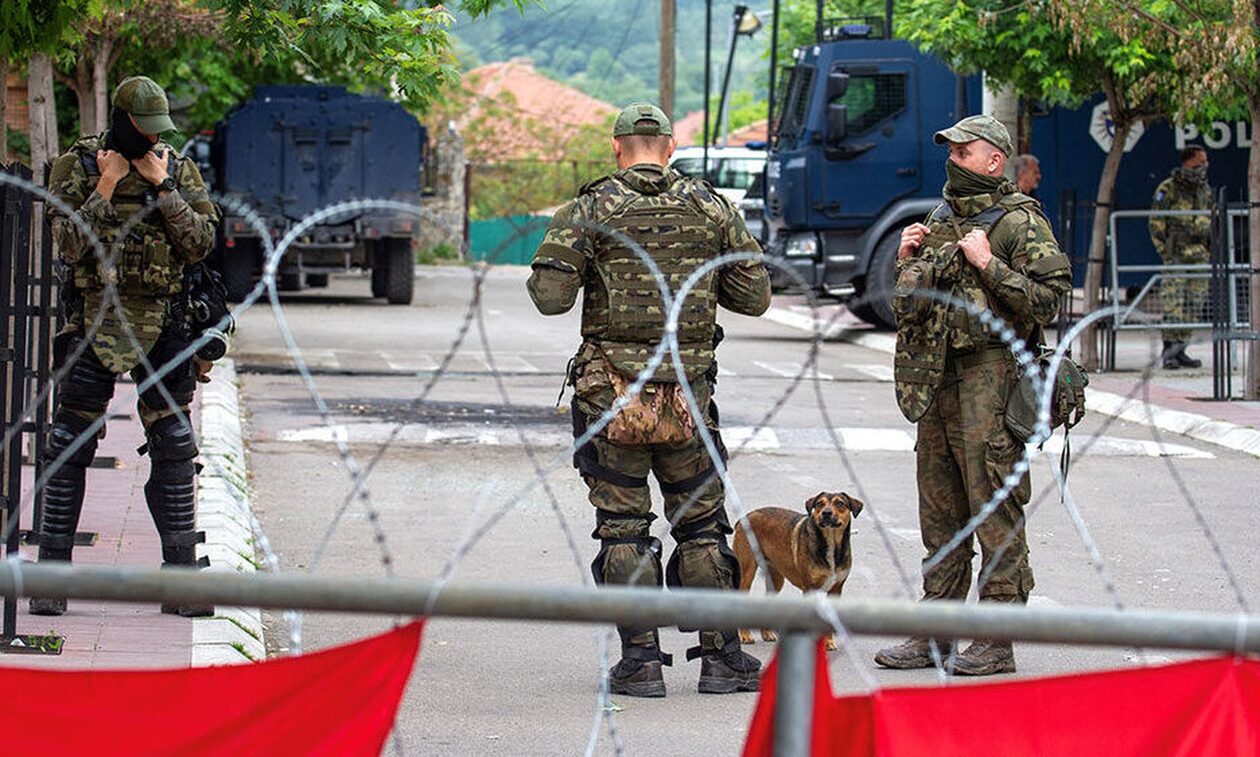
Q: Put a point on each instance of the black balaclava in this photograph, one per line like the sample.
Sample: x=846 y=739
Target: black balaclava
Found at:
x=125 y=138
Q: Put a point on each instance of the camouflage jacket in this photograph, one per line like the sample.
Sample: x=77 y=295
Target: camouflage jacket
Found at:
x=681 y=225
x=1181 y=238
x=1022 y=284
x=148 y=250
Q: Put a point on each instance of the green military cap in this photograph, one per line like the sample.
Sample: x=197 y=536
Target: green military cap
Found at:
x=630 y=116
x=972 y=128
x=141 y=97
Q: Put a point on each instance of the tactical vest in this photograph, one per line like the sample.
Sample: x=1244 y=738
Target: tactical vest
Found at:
x=624 y=313
x=947 y=328
x=144 y=262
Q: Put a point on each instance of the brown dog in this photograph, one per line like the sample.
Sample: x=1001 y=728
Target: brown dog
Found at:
x=811 y=549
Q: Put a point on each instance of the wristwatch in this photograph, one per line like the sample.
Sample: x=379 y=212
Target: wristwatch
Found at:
x=167 y=185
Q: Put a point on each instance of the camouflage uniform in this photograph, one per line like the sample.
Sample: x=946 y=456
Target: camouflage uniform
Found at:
x=147 y=273
x=953 y=377
x=1182 y=240
x=681 y=223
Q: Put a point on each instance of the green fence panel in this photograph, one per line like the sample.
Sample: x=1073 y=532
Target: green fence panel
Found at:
x=509 y=240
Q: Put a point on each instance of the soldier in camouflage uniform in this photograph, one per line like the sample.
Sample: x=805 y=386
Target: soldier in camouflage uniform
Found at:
x=1183 y=240
x=680 y=223
x=989 y=245
x=107 y=179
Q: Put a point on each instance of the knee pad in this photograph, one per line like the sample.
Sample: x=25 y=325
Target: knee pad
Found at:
x=170 y=439
x=66 y=429
x=619 y=559
x=88 y=386
x=702 y=552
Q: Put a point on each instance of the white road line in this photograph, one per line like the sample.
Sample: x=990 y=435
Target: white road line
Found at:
x=410 y=361
x=876 y=439
x=790 y=370
x=726 y=372
x=514 y=364
x=877 y=371
x=765 y=438
x=909 y=534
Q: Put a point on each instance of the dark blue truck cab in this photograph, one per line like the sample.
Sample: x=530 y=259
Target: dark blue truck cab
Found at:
x=291 y=150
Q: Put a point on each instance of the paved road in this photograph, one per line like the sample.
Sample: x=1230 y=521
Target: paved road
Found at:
x=518 y=688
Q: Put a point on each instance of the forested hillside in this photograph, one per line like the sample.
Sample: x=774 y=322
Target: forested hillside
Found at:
x=609 y=49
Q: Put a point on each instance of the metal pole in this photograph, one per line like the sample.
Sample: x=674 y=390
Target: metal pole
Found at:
x=818 y=22
x=719 y=120
x=774 y=70
x=691 y=608
x=794 y=698
x=888 y=18
x=665 y=72
x=708 y=75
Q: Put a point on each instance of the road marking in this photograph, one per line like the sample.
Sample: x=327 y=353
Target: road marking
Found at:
x=409 y=361
x=764 y=439
x=791 y=370
x=876 y=371
x=514 y=364
x=726 y=372
x=876 y=439
x=909 y=534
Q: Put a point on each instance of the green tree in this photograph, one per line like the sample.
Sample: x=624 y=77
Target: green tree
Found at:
x=1215 y=49
x=1044 y=53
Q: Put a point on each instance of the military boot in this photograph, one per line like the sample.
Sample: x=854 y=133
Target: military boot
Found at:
x=48 y=605
x=638 y=674
x=725 y=669
x=985 y=657
x=179 y=552
x=1185 y=360
x=913 y=653
x=1169 y=355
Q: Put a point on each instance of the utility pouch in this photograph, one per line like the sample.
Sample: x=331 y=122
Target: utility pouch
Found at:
x=1067 y=402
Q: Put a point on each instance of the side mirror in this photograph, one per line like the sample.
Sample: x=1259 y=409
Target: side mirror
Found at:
x=837 y=84
x=837 y=122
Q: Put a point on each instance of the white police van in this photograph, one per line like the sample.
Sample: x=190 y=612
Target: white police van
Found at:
x=732 y=170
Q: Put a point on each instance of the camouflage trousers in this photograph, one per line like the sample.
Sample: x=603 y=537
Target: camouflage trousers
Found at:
x=1183 y=299
x=964 y=452
x=694 y=497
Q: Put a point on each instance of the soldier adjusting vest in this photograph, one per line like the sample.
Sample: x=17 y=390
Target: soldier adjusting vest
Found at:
x=625 y=314
x=144 y=261
x=948 y=328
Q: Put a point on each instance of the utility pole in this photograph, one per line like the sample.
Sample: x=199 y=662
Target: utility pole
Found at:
x=667 y=58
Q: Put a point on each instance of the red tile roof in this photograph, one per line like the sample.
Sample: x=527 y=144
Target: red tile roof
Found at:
x=516 y=112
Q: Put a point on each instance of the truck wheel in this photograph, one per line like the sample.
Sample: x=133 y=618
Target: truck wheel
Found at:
x=380 y=267
x=400 y=281
x=876 y=306
x=240 y=268
x=317 y=280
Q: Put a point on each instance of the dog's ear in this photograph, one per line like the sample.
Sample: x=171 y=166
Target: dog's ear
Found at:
x=813 y=501
x=854 y=504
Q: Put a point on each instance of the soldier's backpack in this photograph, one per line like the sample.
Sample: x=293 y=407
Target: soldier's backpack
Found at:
x=1067 y=401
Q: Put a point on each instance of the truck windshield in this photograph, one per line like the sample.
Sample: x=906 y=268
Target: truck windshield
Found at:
x=796 y=100
x=871 y=98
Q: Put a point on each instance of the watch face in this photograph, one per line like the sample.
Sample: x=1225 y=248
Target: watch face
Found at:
x=167 y=184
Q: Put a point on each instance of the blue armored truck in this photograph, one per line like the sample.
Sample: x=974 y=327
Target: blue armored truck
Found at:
x=853 y=162
x=290 y=151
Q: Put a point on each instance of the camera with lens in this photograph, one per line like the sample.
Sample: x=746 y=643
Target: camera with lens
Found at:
x=206 y=313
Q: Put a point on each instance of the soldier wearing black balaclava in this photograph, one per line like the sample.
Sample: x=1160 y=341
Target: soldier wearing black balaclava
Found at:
x=1182 y=240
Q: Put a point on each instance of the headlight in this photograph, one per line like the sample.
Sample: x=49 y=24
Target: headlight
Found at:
x=802 y=246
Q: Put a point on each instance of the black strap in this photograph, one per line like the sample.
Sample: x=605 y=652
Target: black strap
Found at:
x=648 y=654
x=183 y=538
x=690 y=483
x=588 y=465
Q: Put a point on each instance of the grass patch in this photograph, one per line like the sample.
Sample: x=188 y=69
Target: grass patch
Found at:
x=442 y=254
x=239 y=647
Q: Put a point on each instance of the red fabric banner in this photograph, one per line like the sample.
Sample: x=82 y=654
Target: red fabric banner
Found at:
x=1207 y=706
x=337 y=701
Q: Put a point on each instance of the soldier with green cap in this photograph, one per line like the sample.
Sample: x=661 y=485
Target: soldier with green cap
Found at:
x=680 y=223
x=989 y=245
x=152 y=216
x=1182 y=240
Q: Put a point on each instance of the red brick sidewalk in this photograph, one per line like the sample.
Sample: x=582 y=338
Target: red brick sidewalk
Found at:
x=108 y=634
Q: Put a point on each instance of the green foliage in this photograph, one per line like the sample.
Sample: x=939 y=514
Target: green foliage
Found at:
x=29 y=26
x=19 y=144
x=438 y=255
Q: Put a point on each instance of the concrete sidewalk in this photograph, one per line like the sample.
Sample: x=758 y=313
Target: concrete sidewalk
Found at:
x=1177 y=402
x=132 y=636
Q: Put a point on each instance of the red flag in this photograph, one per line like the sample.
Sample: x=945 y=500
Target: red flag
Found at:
x=1207 y=706
x=337 y=701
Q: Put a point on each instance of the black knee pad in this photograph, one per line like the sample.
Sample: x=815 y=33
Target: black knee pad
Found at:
x=66 y=429
x=713 y=528
x=88 y=386
x=170 y=438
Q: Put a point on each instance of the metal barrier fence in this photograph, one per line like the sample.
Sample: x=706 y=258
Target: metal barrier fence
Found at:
x=801 y=619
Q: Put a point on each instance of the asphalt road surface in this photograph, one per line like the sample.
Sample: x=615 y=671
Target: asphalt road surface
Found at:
x=493 y=687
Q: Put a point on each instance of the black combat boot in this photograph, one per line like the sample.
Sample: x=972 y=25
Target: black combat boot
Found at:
x=1185 y=360
x=914 y=653
x=638 y=674
x=1169 y=355
x=724 y=667
x=48 y=605
x=179 y=552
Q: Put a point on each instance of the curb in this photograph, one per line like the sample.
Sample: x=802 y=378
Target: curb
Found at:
x=233 y=635
x=1201 y=427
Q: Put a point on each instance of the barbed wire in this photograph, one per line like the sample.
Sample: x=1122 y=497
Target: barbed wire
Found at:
x=480 y=523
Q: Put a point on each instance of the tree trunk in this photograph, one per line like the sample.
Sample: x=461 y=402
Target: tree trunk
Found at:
x=100 y=84
x=1002 y=103
x=1251 y=388
x=43 y=113
x=82 y=86
x=4 y=101
x=1098 y=239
